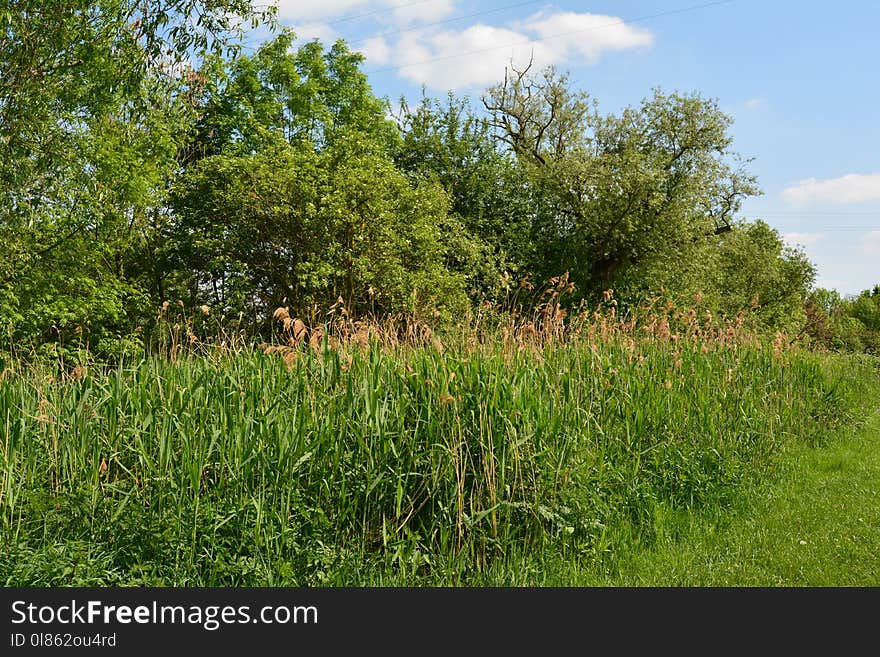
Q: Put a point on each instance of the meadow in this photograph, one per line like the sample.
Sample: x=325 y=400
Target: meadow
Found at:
x=262 y=325
x=353 y=454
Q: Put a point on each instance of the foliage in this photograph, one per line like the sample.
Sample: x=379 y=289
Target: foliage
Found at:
x=488 y=228
x=304 y=229
x=295 y=201
x=747 y=271
x=471 y=460
x=89 y=125
x=845 y=324
x=617 y=191
x=163 y=195
x=146 y=159
x=303 y=95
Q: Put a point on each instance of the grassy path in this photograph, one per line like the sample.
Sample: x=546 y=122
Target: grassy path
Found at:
x=819 y=526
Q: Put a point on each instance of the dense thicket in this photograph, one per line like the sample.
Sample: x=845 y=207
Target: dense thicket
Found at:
x=845 y=324
x=130 y=178
x=520 y=462
x=91 y=117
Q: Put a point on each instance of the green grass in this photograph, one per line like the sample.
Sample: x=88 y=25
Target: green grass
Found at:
x=819 y=525
x=414 y=466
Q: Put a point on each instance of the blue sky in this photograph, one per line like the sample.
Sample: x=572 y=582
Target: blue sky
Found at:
x=800 y=79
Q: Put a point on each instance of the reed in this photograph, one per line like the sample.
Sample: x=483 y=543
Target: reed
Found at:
x=352 y=452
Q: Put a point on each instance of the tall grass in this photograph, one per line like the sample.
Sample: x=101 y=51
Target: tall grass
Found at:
x=450 y=459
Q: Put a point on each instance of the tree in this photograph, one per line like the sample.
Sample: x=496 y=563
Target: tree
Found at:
x=303 y=229
x=296 y=200
x=845 y=323
x=306 y=96
x=618 y=192
x=64 y=66
x=866 y=308
x=759 y=274
x=488 y=229
x=85 y=148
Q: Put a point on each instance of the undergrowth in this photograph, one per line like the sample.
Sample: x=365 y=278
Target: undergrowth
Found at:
x=351 y=453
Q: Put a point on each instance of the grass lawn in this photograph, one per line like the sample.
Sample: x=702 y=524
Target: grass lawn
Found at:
x=819 y=525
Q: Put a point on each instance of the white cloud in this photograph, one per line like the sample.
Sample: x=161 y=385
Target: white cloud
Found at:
x=310 y=31
x=308 y=10
x=376 y=50
x=471 y=57
x=802 y=239
x=477 y=55
x=437 y=59
x=754 y=103
x=870 y=245
x=588 y=35
x=852 y=188
x=423 y=12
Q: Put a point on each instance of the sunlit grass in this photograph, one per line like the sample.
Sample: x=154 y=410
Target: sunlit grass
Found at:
x=466 y=462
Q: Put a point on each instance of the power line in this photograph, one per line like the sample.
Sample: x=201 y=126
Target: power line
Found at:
x=812 y=228
x=552 y=36
x=820 y=213
x=840 y=229
x=449 y=20
x=367 y=14
x=376 y=11
x=421 y=26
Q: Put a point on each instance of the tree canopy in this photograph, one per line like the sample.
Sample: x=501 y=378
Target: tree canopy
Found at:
x=146 y=158
x=618 y=192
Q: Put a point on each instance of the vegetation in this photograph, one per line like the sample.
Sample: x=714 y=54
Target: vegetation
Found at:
x=497 y=456
x=816 y=526
x=845 y=324
x=257 y=330
x=246 y=182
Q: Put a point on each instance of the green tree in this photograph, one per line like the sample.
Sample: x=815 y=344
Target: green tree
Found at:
x=759 y=274
x=488 y=229
x=84 y=149
x=295 y=199
x=303 y=229
x=306 y=96
x=844 y=323
x=618 y=192
x=866 y=308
